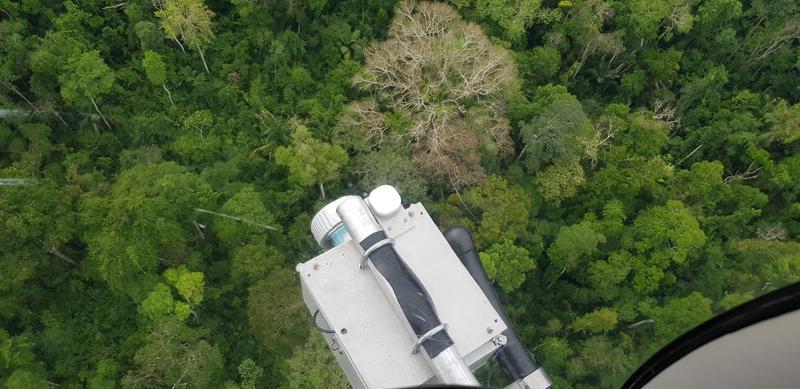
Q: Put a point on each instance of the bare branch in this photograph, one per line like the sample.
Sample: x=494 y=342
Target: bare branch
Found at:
x=115 y=6
x=640 y=323
x=441 y=73
x=747 y=175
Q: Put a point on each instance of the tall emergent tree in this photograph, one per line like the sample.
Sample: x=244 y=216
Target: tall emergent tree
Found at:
x=190 y=20
x=448 y=80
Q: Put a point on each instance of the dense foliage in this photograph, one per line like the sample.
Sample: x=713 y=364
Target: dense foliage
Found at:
x=628 y=168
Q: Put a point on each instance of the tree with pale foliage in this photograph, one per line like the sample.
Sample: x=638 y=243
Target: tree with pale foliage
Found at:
x=560 y=182
x=189 y=20
x=175 y=355
x=449 y=80
x=515 y=17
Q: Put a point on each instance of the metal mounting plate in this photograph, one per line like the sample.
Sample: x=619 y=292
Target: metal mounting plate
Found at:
x=371 y=341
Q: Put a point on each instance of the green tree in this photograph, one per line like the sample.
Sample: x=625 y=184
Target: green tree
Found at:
x=714 y=13
x=37 y=222
x=160 y=304
x=21 y=379
x=560 y=182
x=538 y=66
x=174 y=354
x=513 y=16
x=142 y=222
x=251 y=221
x=18 y=365
x=585 y=26
x=313 y=365
x=606 y=276
x=667 y=232
x=249 y=373
x=572 y=244
x=680 y=314
x=559 y=135
x=156 y=71
x=310 y=161
x=392 y=166
x=86 y=77
x=507 y=264
x=189 y=284
x=190 y=20
x=784 y=123
x=733 y=300
x=502 y=208
x=254 y=261
x=276 y=313
x=662 y=65
x=599 y=321
x=150 y=37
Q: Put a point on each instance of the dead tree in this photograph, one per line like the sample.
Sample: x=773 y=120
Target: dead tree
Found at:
x=445 y=75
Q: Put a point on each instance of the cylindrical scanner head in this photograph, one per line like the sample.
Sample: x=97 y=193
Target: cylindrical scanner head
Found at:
x=326 y=224
x=358 y=218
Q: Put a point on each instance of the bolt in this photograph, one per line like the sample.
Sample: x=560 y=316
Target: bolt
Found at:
x=316 y=266
x=489 y=330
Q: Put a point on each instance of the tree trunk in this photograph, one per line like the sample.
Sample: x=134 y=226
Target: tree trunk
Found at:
x=564 y=270
x=15 y=90
x=322 y=190
x=179 y=44
x=101 y=114
x=168 y=93
x=746 y=37
x=199 y=50
x=521 y=152
x=56 y=252
x=640 y=322
x=203 y=58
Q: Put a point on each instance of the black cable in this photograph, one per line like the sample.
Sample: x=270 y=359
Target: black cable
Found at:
x=316 y=325
x=515 y=360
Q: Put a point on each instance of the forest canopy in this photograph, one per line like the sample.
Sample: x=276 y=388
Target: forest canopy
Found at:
x=628 y=169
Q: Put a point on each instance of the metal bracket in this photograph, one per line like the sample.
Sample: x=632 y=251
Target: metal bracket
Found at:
x=371 y=249
x=499 y=340
x=536 y=380
x=433 y=331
